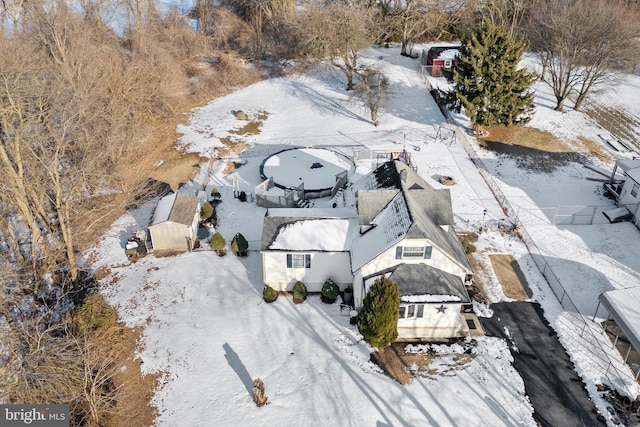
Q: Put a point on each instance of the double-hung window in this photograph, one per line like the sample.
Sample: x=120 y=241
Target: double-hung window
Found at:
x=298 y=260
x=413 y=252
x=411 y=311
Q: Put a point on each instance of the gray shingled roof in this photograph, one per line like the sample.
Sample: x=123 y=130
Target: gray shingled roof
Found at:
x=421 y=279
x=428 y=209
x=183 y=209
x=370 y=203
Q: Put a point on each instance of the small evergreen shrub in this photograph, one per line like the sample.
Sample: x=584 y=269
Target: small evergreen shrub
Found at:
x=206 y=212
x=378 y=319
x=239 y=245
x=299 y=292
x=215 y=194
x=269 y=294
x=95 y=315
x=218 y=244
x=329 y=292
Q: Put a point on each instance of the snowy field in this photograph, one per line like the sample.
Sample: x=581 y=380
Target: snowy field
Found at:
x=207 y=330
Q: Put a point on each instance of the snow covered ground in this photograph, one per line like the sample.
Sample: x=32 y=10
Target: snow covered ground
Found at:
x=207 y=330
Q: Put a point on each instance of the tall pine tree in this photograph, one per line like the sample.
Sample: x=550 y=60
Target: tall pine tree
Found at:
x=378 y=320
x=487 y=82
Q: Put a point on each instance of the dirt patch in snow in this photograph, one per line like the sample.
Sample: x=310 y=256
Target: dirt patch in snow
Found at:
x=512 y=280
x=533 y=149
x=403 y=362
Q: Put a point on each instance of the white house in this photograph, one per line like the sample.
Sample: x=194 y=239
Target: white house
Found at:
x=309 y=248
x=174 y=226
x=400 y=227
x=626 y=189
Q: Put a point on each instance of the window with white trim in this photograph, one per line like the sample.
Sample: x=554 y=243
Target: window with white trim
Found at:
x=634 y=190
x=413 y=252
x=447 y=63
x=298 y=261
x=411 y=311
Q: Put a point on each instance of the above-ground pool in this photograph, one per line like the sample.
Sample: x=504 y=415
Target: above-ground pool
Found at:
x=315 y=167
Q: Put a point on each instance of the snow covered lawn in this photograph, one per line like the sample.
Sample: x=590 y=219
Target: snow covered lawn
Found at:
x=208 y=331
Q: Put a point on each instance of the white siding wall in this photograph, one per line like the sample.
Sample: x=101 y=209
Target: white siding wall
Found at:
x=336 y=265
x=629 y=201
x=432 y=318
x=388 y=259
x=193 y=231
x=170 y=236
x=625 y=194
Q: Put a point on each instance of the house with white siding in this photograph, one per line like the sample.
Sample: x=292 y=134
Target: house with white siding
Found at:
x=399 y=227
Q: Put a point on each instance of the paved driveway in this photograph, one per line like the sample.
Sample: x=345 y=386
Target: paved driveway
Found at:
x=555 y=390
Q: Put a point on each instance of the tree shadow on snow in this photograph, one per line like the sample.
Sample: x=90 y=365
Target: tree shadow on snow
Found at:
x=236 y=364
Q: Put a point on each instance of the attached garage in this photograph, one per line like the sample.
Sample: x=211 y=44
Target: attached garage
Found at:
x=174 y=226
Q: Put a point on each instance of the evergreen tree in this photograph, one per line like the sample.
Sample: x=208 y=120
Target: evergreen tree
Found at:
x=378 y=320
x=487 y=82
x=218 y=244
x=239 y=244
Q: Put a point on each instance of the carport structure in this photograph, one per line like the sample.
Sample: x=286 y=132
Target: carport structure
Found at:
x=623 y=306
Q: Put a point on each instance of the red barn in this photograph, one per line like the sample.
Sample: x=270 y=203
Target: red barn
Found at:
x=438 y=58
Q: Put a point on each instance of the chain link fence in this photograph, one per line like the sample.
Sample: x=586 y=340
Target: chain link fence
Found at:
x=615 y=370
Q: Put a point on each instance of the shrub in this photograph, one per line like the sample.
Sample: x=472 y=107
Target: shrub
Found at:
x=95 y=315
x=206 y=212
x=215 y=194
x=329 y=292
x=469 y=247
x=378 y=320
x=299 y=292
x=239 y=245
x=269 y=294
x=467 y=242
x=218 y=244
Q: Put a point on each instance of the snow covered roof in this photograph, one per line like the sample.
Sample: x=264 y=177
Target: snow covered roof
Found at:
x=309 y=229
x=449 y=53
x=176 y=207
x=628 y=164
x=315 y=234
x=634 y=174
x=624 y=307
x=389 y=227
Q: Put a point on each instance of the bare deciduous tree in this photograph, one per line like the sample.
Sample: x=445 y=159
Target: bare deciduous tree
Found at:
x=372 y=89
x=336 y=33
x=580 y=42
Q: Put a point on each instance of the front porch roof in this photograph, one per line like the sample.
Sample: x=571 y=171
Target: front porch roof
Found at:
x=422 y=279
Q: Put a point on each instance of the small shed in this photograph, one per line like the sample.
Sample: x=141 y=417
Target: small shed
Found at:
x=174 y=225
x=438 y=58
